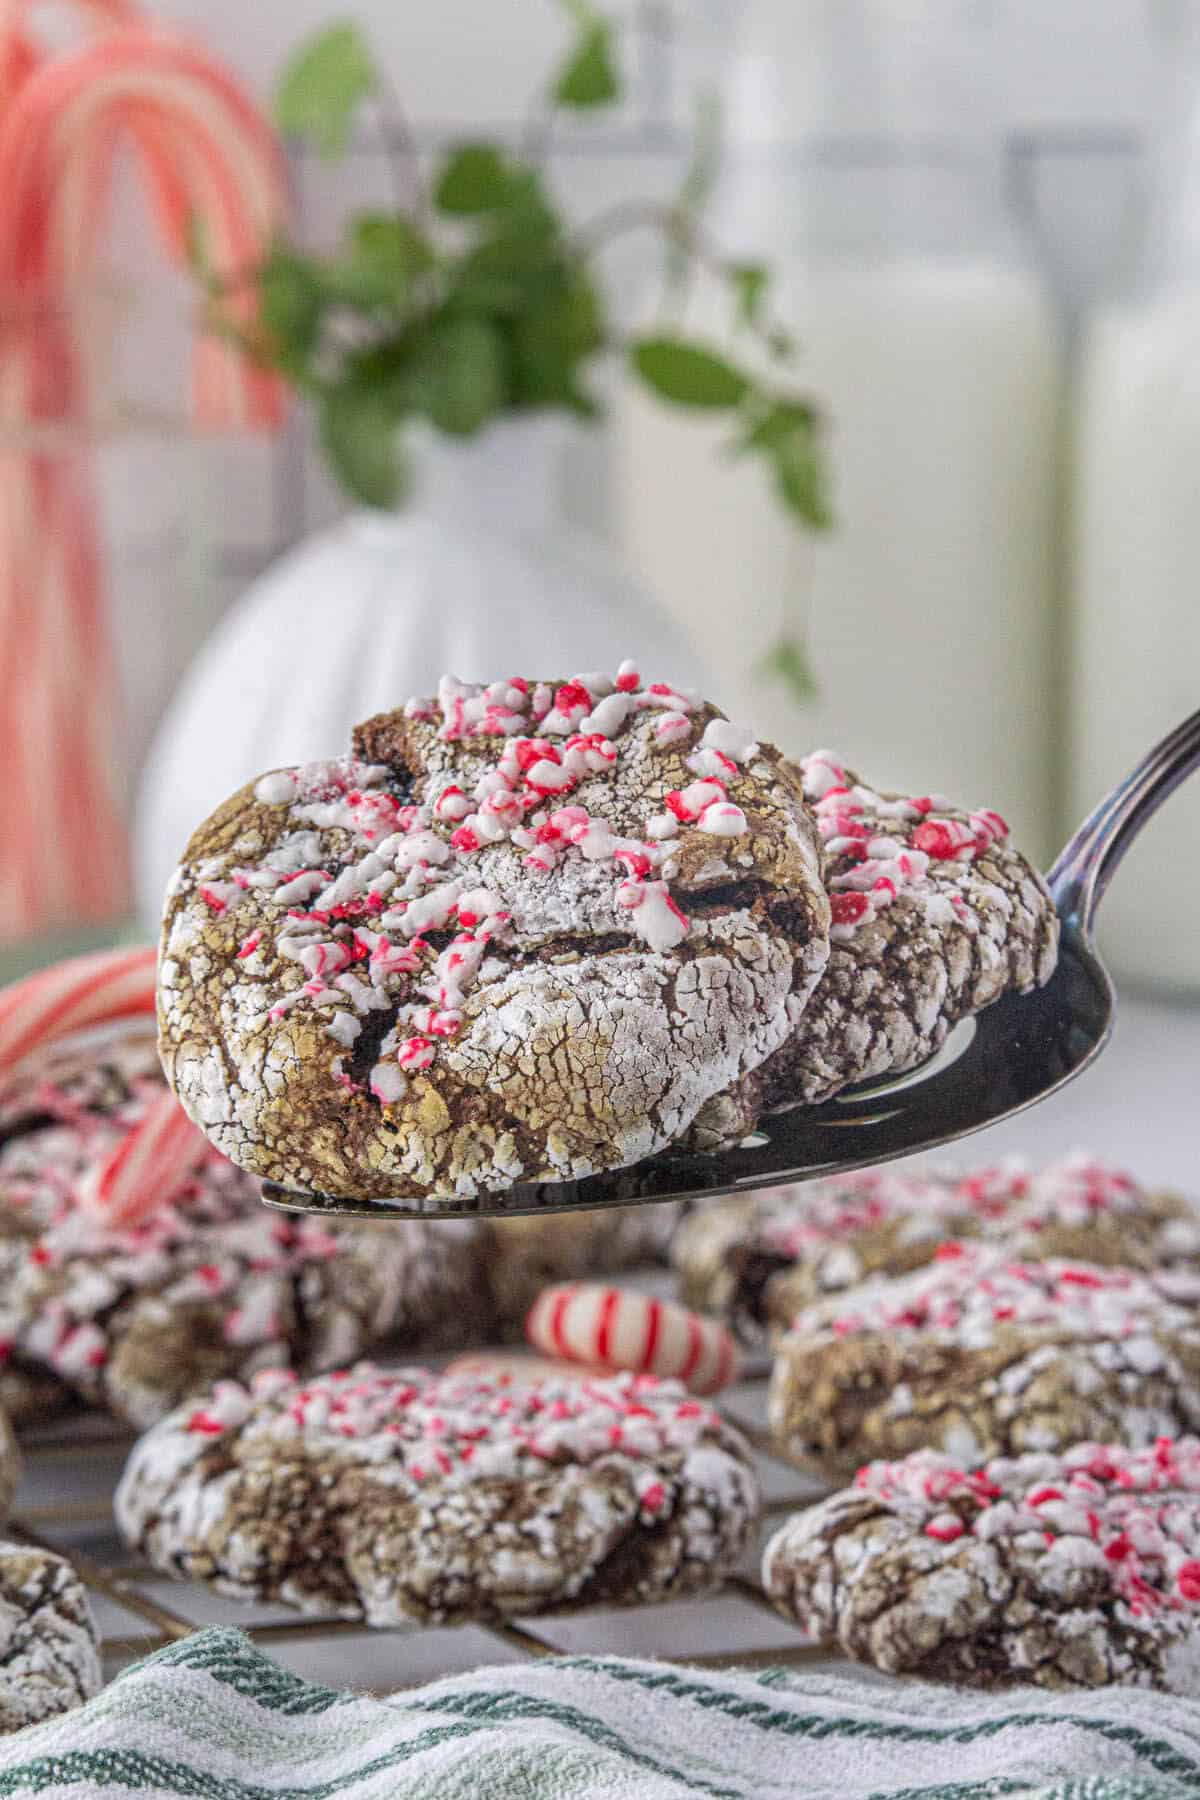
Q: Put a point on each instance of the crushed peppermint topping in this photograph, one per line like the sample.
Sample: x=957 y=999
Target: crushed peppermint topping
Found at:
x=1131 y=1516
x=1006 y=1196
x=362 y=935
x=464 y=1425
x=970 y=1290
x=214 y=1242
x=871 y=865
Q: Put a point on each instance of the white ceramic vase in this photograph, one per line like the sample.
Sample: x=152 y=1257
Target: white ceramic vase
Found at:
x=476 y=575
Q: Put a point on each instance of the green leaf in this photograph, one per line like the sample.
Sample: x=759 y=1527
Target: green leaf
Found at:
x=687 y=374
x=455 y=375
x=516 y=264
x=475 y=178
x=359 y=434
x=383 y=254
x=551 y=341
x=778 y=421
x=789 y=663
x=750 y=282
x=391 y=240
x=323 y=85
x=589 y=76
x=800 y=478
x=292 y=300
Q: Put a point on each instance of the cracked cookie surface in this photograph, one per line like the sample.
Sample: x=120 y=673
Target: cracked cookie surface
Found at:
x=49 y=1661
x=1071 y=1570
x=522 y=934
x=761 y=1258
x=979 y=1356
x=133 y=1317
x=404 y=1495
x=934 y=916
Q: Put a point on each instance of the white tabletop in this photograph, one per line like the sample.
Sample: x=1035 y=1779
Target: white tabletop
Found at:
x=1138 y=1106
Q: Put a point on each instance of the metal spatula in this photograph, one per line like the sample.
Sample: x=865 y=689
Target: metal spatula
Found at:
x=1006 y=1058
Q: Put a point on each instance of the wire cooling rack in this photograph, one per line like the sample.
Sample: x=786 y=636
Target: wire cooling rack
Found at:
x=65 y=1502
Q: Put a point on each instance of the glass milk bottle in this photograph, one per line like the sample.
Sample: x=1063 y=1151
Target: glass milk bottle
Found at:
x=861 y=166
x=1135 y=551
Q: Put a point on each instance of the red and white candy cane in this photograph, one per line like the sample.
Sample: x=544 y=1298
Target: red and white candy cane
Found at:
x=208 y=158
x=618 y=1328
x=155 y=1160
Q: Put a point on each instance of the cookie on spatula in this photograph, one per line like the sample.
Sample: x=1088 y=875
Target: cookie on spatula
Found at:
x=522 y=933
x=935 y=915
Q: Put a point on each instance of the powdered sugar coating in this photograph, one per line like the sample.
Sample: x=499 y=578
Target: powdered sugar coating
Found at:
x=935 y=916
x=473 y=954
x=130 y=1317
x=763 y=1257
x=49 y=1661
x=969 y=1291
x=400 y=1494
x=1073 y=1569
x=976 y=1355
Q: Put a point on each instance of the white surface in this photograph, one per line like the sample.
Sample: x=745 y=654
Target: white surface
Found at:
x=1135 y=621
x=1138 y=1106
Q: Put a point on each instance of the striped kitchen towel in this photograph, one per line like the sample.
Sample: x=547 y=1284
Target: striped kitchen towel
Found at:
x=212 y=1718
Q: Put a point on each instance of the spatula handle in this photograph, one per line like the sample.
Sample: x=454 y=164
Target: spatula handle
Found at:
x=1085 y=867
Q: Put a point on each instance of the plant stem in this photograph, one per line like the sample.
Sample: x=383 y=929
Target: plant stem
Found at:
x=678 y=227
x=400 y=146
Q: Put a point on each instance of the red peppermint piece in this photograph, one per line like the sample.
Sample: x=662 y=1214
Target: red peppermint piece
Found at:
x=205 y=1422
x=941 y=837
x=573 y=697
x=848 y=909
x=945 y=1528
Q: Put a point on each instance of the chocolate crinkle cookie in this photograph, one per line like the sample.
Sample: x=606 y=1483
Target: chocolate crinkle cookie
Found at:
x=522 y=933
x=1067 y=1570
x=404 y=1495
x=48 y=1656
x=761 y=1258
x=980 y=1356
x=10 y=1464
x=133 y=1317
x=935 y=916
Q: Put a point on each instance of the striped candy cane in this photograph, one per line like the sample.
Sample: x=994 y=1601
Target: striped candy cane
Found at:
x=618 y=1328
x=206 y=155
x=155 y=1160
x=207 y=158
